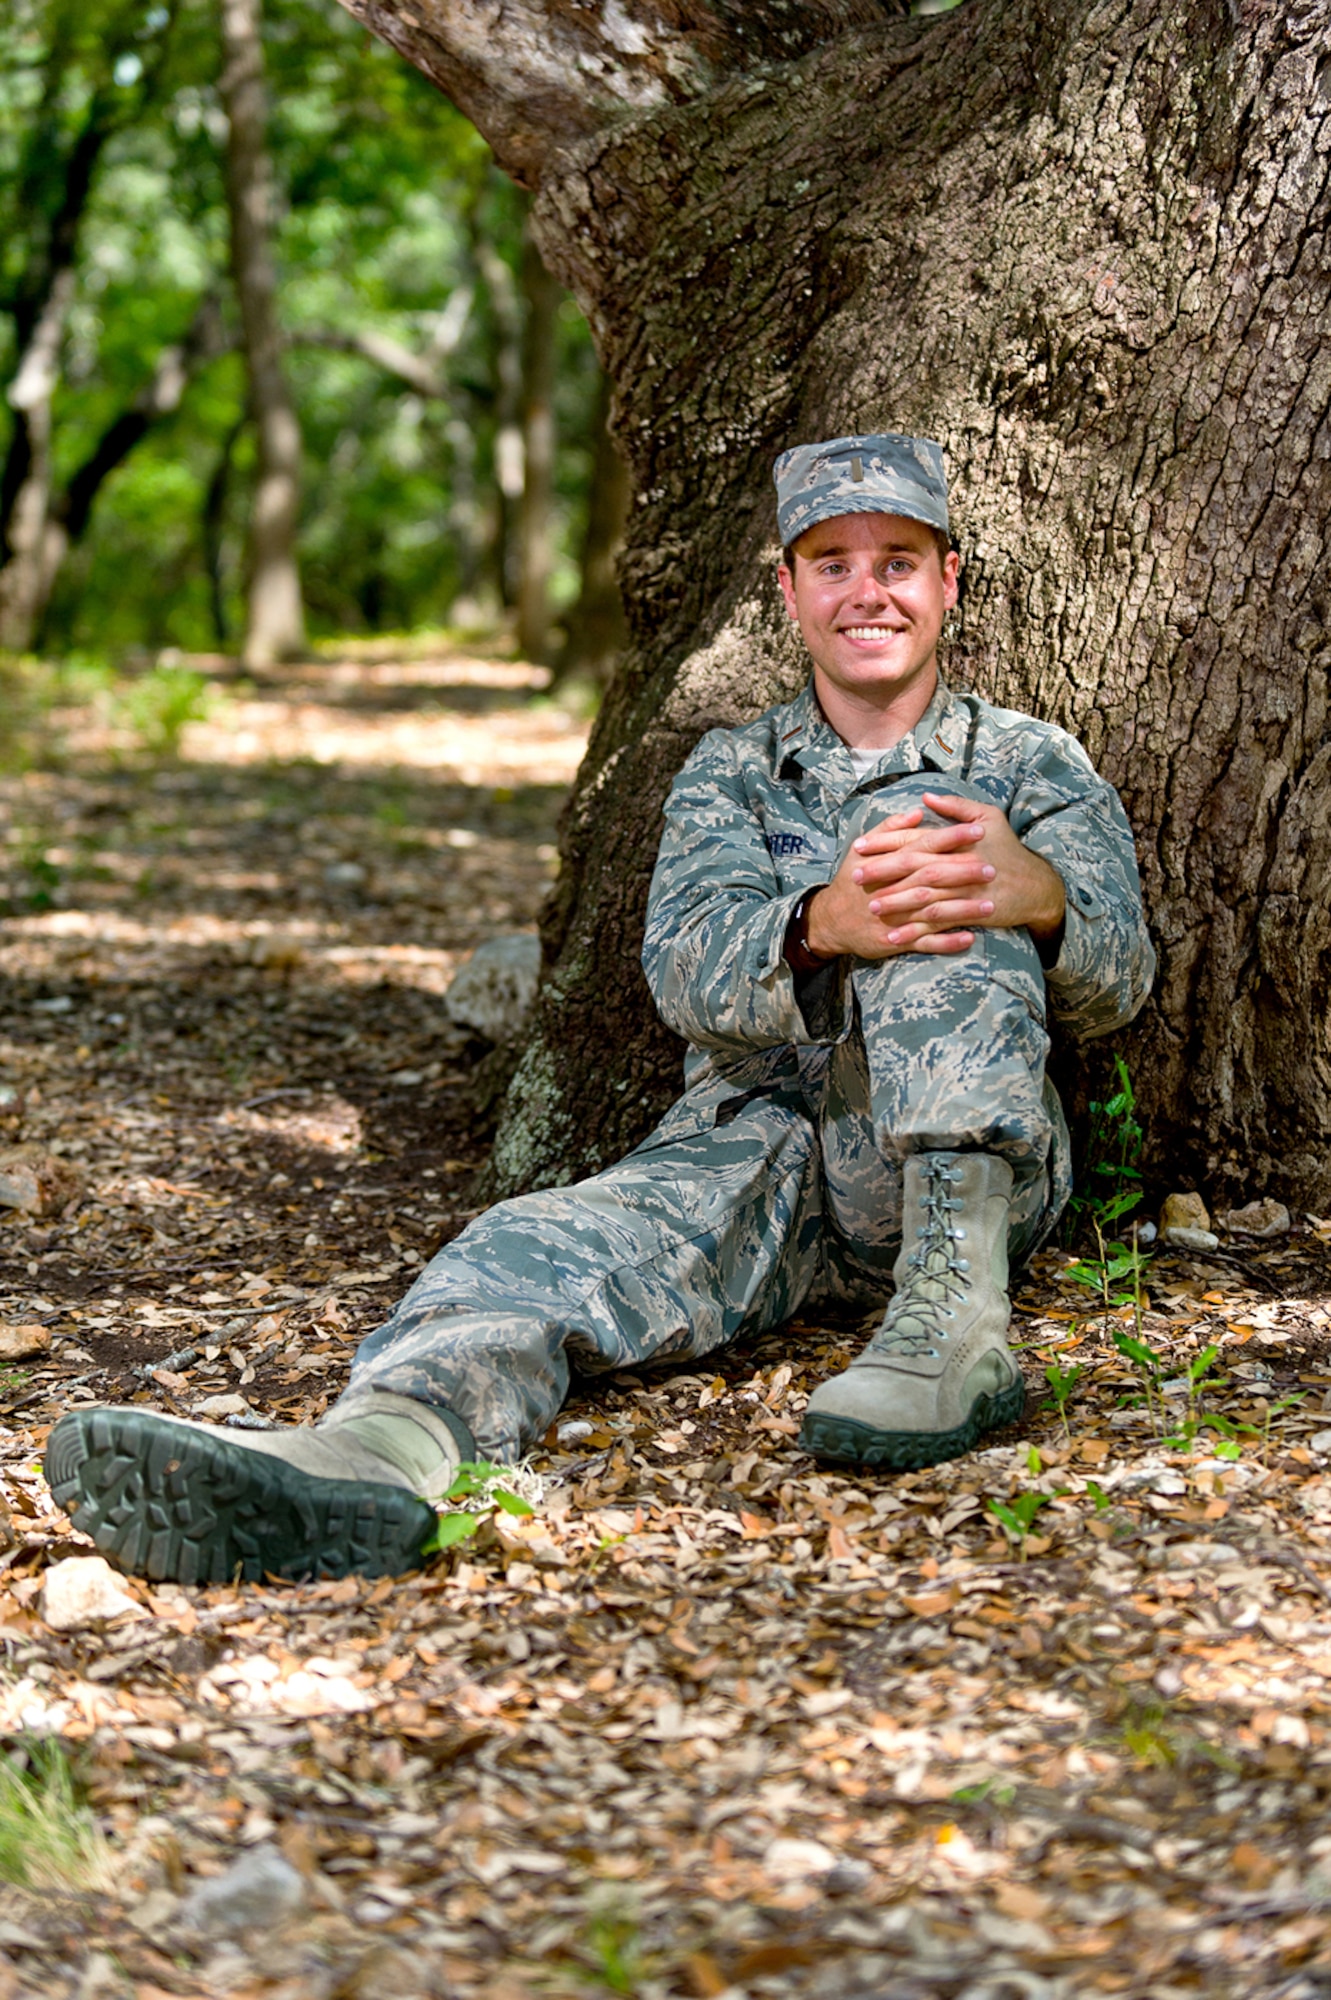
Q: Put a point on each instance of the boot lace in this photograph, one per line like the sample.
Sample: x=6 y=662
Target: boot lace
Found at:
x=935 y=1275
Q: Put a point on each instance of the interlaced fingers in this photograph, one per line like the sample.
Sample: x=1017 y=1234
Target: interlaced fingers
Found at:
x=935 y=1274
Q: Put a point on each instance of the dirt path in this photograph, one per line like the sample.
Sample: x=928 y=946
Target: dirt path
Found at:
x=710 y=1722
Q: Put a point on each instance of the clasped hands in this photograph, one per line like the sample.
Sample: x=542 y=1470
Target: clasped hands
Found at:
x=904 y=886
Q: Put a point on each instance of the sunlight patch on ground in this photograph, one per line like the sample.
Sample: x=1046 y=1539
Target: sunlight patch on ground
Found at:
x=317 y=949
x=319 y=714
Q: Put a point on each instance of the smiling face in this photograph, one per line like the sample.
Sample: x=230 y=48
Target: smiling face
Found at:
x=869 y=593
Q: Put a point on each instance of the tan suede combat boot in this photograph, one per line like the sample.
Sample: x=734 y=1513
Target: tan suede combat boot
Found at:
x=938 y=1373
x=168 y=1498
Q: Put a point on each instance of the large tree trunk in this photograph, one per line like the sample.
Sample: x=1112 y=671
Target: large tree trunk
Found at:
x=1086 y=247
x=275 y=620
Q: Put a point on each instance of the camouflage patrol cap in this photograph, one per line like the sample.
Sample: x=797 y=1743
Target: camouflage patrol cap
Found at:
x=883 y=473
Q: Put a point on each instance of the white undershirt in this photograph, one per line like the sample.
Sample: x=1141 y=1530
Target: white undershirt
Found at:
x=864 y=761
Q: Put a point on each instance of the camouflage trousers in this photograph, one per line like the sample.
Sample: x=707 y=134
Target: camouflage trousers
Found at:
x=769 y=1190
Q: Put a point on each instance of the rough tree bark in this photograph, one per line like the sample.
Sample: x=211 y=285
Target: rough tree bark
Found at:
x=275 y=620
x=1086 y=247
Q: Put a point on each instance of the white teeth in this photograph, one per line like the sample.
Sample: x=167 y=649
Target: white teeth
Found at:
x=868 y=631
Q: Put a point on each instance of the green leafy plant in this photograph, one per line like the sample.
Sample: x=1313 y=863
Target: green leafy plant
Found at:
x=160 y=705
x=38 y=877
x=49 y=1838
x=1112 y=1168
x=1016 y=1517
x=992 y=1791
x=1181 y=1438
x=1062 y=1382
x=480 y=1483
x=1148 y=1737
x=1118 y=1270
x=1149 y=1364
x=614 y=1948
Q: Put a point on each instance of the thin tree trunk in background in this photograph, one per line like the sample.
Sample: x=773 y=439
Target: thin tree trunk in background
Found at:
x=540 y=298
x=275 y=617
x=69 y=511
x=212 y=525
x=27 y=502
x=596 y=630
x=1089 y=249
x=505 y=354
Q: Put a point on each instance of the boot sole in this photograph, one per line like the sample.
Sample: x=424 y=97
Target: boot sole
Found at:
x=187 y=1507
x=842 y=1441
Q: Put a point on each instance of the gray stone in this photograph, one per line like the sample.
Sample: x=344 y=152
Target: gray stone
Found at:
x=345 y=875
x=493 y=992
x=1183 y=1238
x=36 y=1182
x=1200 y=1555
x=848 y=1878
x=256 y=1893
x=1262 y=1219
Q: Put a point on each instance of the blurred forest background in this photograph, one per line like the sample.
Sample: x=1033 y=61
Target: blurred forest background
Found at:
x=278 y=359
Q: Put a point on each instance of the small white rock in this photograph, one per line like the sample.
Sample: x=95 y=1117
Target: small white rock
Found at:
x=1182 y=1238
x=256 y=1893
x=1200 y=1555
x=213 y=1407
x=493 y=992
x=574 y=1431
x=1320 y=1441
x=790 y=1860
x=83 y=1591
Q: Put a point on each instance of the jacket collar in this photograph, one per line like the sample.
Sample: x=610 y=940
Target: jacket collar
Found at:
x=803 y=735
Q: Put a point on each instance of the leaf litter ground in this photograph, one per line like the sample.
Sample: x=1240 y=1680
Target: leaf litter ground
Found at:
x=712 y=1722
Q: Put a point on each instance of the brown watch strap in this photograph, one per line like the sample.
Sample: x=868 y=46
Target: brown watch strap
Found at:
x=796 y=950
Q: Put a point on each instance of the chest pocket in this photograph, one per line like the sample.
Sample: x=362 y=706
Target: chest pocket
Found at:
x=801 y=856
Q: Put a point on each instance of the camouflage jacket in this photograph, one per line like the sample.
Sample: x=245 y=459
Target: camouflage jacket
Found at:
x=762 y=813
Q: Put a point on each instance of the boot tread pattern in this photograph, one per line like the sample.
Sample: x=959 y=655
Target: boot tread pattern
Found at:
x=843 y=1441
x=178 y=1506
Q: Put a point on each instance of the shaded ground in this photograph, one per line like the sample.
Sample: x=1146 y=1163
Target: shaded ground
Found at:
x=713 y=1722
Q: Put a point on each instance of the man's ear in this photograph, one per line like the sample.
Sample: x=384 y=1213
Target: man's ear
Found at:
x=787 y=583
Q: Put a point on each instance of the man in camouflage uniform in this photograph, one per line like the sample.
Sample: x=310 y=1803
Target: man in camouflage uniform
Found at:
x=863 y=904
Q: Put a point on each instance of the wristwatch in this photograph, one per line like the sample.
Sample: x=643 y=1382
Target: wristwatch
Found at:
x=797 y=951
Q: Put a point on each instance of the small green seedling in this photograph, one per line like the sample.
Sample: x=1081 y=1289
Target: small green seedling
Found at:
x=478 y=1481
x=1150 y=1364
x=1098 y=1495
x=1062 y=1382
x=1113 y=1149
x=1017 y=1517
x=988 y=1791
